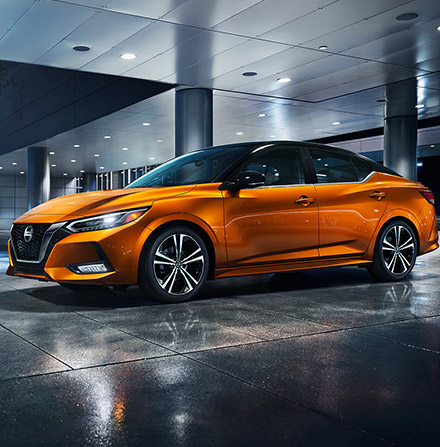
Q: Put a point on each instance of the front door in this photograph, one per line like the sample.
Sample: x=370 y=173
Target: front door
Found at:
x=277 y=222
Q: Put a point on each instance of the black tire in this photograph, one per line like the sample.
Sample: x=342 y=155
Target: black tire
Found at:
x=395 y=252
x=78 y=287
x=171 y=269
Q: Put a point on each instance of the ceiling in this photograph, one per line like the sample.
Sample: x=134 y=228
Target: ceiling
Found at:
x=210 y=44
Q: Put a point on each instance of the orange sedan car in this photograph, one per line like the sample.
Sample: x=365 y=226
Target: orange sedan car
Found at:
x=230 y=210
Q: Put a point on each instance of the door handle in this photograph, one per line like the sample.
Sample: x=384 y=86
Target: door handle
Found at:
x=378 y=195
x=305 y=201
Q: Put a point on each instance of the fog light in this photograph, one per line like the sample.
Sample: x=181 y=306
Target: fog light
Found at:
x=92 y=268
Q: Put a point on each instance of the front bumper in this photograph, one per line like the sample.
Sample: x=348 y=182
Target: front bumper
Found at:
x=119 y=248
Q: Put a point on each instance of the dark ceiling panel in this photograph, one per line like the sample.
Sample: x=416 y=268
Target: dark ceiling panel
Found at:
x=38 y=102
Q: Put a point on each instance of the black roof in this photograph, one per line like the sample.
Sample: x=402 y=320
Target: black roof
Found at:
x=252 y=144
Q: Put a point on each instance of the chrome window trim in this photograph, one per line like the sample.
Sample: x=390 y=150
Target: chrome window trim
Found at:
x=348 y=183
x=315 y=184
x=44 y=243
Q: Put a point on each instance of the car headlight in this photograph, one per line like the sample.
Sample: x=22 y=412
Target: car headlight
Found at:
x=106 y=221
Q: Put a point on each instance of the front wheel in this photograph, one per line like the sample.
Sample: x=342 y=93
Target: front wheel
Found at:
x=174 y=265
x=395 y=252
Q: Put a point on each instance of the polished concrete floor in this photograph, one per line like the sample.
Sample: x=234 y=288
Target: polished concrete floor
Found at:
x=319 y=358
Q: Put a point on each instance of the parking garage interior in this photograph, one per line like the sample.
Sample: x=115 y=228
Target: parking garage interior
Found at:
x=93 y=95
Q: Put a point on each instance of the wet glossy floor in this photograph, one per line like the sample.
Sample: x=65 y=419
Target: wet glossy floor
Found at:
x=322 y=358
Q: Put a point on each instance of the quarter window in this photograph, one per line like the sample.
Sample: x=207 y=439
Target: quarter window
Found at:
x=362 y=169
x=281 y=166
x=332 y=168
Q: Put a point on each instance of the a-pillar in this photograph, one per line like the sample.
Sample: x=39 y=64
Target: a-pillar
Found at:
x=400 y=128
x=38 y=176
x=193 y=119
x=89 y=182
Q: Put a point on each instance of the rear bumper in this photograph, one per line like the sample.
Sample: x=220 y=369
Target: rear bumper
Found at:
x=428 y=233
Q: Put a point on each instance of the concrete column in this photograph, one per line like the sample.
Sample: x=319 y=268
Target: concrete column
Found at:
x=116 y=180
x=89 y=181
x=193 y=119
x=400 y=128
x=38 y=176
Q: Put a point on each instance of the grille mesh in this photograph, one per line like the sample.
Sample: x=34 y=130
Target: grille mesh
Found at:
x=28 y=251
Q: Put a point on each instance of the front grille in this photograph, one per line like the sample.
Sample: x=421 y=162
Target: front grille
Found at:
x=28 y=251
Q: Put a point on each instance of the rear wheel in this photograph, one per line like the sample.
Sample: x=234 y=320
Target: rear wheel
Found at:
x=395 y=252
x=174 y=265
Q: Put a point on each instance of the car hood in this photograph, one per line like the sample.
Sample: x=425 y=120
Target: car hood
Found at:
x=92 y=203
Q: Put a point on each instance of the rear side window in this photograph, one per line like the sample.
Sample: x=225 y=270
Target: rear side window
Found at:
x=332 y=168
x=361 y=169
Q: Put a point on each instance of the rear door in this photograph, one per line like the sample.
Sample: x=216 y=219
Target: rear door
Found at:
x=351 y=202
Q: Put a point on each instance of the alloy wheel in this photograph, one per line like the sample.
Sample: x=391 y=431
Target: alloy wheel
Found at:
x=398 y=250
x=179 y=264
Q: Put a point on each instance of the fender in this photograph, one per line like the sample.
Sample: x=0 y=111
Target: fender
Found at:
x=173 y=217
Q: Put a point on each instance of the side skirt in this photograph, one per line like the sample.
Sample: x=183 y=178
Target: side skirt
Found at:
x=290 y=266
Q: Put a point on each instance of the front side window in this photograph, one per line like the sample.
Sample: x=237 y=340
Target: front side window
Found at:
x=281 y=166
x=332 y=168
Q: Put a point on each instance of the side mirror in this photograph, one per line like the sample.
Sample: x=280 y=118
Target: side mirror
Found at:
x=245 y=179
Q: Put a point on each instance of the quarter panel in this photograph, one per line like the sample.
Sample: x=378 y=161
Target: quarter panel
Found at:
x=348 y=216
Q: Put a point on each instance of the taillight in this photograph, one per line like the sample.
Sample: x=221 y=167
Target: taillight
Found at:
x=428 y=195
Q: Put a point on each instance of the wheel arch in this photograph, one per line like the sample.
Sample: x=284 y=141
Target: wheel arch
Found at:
x=193 y=226
x=405 y=219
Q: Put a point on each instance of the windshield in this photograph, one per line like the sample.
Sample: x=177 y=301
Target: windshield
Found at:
x=196 y=167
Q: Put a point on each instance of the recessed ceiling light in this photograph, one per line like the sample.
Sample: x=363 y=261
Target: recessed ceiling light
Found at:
x=14 y=164
x=1 y=167
x=128 y=56
x=76 y=145
x=64 y=173
x=273 y=136
x=335 y=123
x=107 y=137
x=420 y=164
x=323 y=47
x=249 y=73
x=101 y=167
x=53 y=166
x=239 y=133
x=160 y=141
x=72 y=161
x=438 y=28
x=51 y=153
x=124 y=162
x=261 y=115
x=284 y=80
x=81 y=48
x=145 y=124
x=96 y=155
x=151 y=158
x=420 y=106
x=407 y=16
x=21 y=172
x=125 y=148
x=432 y=145
x=81 y=170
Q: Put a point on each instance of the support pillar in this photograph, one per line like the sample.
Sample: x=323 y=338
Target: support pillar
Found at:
x=400 y=128
x=38 y=176
x=89 y=182
x=116 y=180
x=193 y=119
